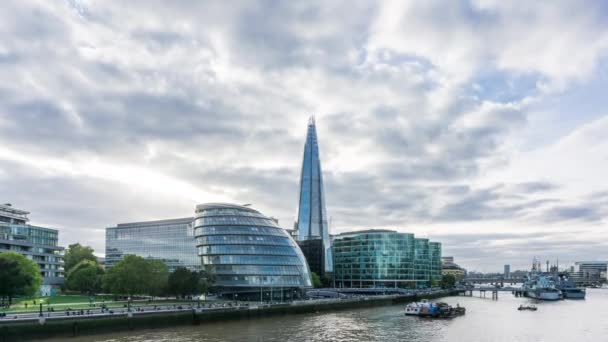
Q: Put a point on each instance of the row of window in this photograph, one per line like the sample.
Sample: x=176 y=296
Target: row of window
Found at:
x=233 y=220
x=258 y=270
x=250 y=260
x=243 y=249
x=242 y=230
x=274 y=281
x=243 y=239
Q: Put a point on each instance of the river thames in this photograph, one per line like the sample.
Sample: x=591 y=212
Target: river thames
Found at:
x=485 y=320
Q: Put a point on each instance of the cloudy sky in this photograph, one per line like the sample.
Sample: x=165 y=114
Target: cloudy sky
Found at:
x=481 y=124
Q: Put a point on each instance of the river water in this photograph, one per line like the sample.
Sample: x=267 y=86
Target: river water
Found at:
x=485 y=320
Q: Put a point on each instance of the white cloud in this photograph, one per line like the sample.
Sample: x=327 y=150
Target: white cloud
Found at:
x=427 y=113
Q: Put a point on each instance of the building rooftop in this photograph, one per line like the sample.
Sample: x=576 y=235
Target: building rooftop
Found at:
x=154 y=222
x=206 y=206
x=368 y=231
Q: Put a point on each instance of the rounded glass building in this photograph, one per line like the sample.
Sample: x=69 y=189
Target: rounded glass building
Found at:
x=248 y=253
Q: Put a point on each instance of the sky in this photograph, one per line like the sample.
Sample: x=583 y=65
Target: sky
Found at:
x=479 y=124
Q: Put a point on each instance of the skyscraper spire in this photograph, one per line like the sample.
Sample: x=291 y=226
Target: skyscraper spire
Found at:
x=312 y=217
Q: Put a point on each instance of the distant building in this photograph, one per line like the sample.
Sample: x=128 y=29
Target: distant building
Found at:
x=587 y=272
x=384 y=258
x=314 y=252
x=507 y=272
x=312 y=222
x=449 y=267
x=171 y=241
x=248 y=253
x=36 y=243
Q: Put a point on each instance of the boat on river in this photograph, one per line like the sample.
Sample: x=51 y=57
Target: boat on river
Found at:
x=433 y=310
x=542 y=288
x=527 y=308
x=569 y=290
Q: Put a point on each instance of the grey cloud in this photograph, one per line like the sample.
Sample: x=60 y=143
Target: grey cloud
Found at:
x=210 y=94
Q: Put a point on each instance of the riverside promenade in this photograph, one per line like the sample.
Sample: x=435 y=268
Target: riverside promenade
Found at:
x=29 y=326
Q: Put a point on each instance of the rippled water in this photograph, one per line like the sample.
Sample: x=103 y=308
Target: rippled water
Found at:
x=486 y=320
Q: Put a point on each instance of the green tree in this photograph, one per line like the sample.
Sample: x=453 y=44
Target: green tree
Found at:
x=316 y=281
x=183 y=282
x=85 y=277
x=75 y=254
x=136 y=275
x=448 y=281
x=19 y=276
x=205 y=281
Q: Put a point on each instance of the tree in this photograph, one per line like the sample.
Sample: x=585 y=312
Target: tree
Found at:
x=183 y=282
x=448 y=281
x=316 y=281
x=136 y=275
x=75 y=254
x=19 y=276
x=85 y=277
x=206 y=279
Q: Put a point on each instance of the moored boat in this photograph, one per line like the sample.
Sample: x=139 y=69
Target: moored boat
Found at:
x=542 y=288
x=433 y=310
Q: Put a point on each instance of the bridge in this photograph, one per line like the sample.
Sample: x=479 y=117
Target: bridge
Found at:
x=494 y=280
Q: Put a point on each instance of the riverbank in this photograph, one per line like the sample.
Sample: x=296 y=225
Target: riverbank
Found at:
x=71 y=326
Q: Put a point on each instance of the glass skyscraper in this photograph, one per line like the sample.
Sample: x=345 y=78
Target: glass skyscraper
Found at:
x=312 y=219
x=171 y=241
x=248 y=253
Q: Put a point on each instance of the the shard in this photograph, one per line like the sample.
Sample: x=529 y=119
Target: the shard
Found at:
x=312 y=219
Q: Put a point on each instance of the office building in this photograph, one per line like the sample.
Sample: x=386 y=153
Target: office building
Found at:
x=312 y=219
x=435 y=261
x=384 y=258
x=250 y=256
x=171 y=241
x=589 y=272
x=36 y=243
x=422 y=260
x=448 y=267
x=507 y=272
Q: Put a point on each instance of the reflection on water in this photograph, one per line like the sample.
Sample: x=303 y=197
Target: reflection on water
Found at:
x=486 y=320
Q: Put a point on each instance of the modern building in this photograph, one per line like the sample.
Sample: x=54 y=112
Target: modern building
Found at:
x=312 y=219
x=435 y=258
x=422 y=260
x=36 y=243
x=589 y=272
x=384 y=258
x=171 y=241
x=250 y=256
x=449 y=267
x=507 y=272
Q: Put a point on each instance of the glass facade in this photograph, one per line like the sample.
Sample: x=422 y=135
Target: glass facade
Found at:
x=248 y=253
x=373 y=258
x=422 y=260
x=435 y=257
x=36 y=243
x=312 y=219
x=171 y=241
x=384 y=258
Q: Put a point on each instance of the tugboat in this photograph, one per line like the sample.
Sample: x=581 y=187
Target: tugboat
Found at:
x=433 y=310
x=527 y=307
